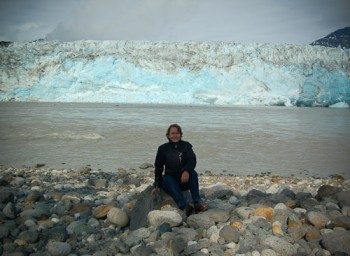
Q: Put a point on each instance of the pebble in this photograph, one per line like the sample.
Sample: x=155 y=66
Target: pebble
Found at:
x=46 y=211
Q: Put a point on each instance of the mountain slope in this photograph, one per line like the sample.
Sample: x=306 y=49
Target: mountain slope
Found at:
x=339 y=38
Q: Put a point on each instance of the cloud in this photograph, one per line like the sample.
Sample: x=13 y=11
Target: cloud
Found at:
x=277 y=21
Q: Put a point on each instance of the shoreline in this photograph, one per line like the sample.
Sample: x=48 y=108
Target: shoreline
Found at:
x=264 y=181
x=45 y=211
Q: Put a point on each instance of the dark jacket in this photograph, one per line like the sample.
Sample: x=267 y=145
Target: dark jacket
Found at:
x=174 y=159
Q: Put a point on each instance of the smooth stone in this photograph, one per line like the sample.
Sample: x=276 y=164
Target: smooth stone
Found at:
x=337 y=242
x=6 y=196
x=30 y=236
x=317 y=219
x=279 y=245
x=326 y=191
x=230 y=234
x=245 y=212
x=18 y=181
x=118 y=217
x=268 y=252
x=157 y=217
x=102 y=211
x=343 y=198
x=78 y=227
x=217 y=215
x=342 y=221
x=9 y=210
x=58 y=248
x=200 y=221
x=4 y=232
x=58 y=234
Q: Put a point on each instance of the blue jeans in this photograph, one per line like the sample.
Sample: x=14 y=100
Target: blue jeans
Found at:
x=174 y=187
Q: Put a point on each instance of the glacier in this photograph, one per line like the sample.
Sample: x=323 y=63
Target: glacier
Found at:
x=218 y=73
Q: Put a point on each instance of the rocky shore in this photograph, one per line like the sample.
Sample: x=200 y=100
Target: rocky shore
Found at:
x=47 y=211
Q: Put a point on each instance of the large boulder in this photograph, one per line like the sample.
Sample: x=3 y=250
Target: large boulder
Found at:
x=146 y=203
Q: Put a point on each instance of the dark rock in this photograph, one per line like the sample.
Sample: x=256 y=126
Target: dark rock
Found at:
x=254 y=193
x=10 y=210
x=342 y=221
x=165 y=227
x=146 y=203
x=34 y=196
x=326 y=191
x=337 y=242
x=343 y=198
x=4 y=232
x=308 y=203
x=142 y=250
x=58 y=234
x=216 y=193
x=302 y=195
x=30 y=236
x=6 y=196
x=288 y=193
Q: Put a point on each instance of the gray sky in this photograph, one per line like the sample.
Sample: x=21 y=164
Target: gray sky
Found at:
x=265 y=21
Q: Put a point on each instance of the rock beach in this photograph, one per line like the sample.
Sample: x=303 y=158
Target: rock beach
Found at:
x=46 y=211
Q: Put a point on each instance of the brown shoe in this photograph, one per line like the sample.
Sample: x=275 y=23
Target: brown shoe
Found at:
x=201 y=207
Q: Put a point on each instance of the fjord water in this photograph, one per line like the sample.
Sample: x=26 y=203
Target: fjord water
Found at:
x=234 y=140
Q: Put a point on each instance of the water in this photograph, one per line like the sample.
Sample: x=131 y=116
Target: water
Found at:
x=238 y=140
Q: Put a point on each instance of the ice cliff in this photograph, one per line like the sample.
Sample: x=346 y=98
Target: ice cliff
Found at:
x=179 y=72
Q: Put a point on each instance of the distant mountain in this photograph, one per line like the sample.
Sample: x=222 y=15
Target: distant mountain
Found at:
x=339 y=38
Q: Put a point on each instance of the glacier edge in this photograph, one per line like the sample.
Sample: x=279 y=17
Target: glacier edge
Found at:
x=220 y=73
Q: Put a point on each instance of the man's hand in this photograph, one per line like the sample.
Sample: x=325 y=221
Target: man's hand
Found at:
x=155 y=190
x=185 y=177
